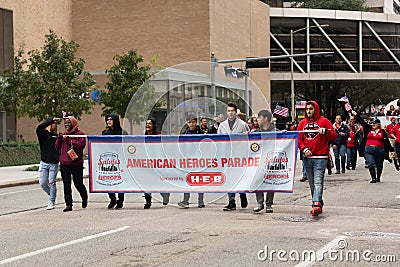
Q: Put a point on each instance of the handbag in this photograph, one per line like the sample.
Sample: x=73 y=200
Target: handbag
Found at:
x=72 y=154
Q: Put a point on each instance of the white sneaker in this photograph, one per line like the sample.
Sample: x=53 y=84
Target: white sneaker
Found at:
x=50 y=206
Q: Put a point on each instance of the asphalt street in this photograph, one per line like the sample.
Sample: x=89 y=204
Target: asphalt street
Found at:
x=359 y=227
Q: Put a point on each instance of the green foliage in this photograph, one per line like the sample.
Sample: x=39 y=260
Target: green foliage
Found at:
x=19 y=153
x=45 y=82
x=34 y=168
x=126 y=76
x=356 y=5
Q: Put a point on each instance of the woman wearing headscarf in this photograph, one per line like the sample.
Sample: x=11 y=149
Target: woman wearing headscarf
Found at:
x=113 y=127
x=69 y=165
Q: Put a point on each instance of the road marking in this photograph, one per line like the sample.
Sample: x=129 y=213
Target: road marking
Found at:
x=15 y=192
x=398 y=196
x=320 y=253
x=73 y=242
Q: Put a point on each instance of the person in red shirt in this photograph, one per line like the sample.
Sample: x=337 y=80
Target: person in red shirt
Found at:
x=315 y=132
x=389 y=128
x=395 y=134
x=375 y=140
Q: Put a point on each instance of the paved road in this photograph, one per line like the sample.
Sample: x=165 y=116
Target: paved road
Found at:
x=359 y=219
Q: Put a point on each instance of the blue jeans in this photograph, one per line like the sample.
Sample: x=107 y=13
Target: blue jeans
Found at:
x=47 y=179
x=315 y=169
x=351 y=156
x=375 y=156
x=340 y=150
x=304 y=171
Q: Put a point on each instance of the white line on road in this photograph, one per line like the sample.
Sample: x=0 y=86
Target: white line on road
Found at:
x=320 y=253
x=15 y=192
x=33 y=253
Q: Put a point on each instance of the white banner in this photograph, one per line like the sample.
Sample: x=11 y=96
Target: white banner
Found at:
x=193 y=163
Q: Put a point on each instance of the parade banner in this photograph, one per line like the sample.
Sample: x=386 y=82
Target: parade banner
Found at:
x=257 y=162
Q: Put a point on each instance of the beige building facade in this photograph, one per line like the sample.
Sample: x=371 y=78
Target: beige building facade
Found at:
x=178 y=31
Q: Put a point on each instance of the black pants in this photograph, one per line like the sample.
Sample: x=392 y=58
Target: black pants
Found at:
x=77 y=175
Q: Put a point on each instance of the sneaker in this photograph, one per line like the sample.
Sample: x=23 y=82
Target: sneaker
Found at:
x=343 y=170
x=229 y=207
x=243 y=201
x=348 y=167
x=303 y=179
x=269 y=209
x=259 y=208
x=67 y=208
x=84 y=203
x=201 y=206
x=316 y=209
x=329 y=171
x=183 y=205
x=147 y=206
x=337 y=172
x=50 y=206
x=112 y=204
x=120 y=204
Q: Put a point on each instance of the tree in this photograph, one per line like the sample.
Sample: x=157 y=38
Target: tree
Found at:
x=123 y=96
x=45 y=83
x=355 y=5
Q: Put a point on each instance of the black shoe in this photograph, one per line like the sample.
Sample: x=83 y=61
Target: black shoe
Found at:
x=259 y=208
x=303 y=179
x=147 y=206
x=112 y=204
x=201 y=206
x=84 y=203
x=396 y=164
x=269 y=209
x=120 y=204
x=348 y=167
x=373 y=181
x=329 y=171
x=67 y=208
x=229 y=207
x=243 y=201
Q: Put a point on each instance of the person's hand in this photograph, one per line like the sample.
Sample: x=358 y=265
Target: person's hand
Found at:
x=334 y=146
x=308 y=153
x=246 y=133
x=391 y=155
x=342 y=134
x=56 y=120
x=353 y=113
x=322 y=130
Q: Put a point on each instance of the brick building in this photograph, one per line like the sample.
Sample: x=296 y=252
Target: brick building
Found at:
x=178 y=30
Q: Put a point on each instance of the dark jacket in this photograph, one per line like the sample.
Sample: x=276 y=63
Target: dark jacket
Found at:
x=341 y=140
x=117 y=129
x=47 y=139
x=195 y=131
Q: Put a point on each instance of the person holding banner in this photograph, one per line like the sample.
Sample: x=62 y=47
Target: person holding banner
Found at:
x=264 y=121
x=113 y=127
x=151 y=129
x=192 y=128
x=71 y=161
x=315 y=133
x=233 y=125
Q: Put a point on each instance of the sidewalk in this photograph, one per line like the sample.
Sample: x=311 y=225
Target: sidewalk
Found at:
x=15 y=175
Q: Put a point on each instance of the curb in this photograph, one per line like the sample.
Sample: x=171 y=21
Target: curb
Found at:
x=28 y=181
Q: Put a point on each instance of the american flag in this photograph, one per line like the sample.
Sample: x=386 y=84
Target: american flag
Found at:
x=373 y=109
x=347 y=106
x=343 y=99
x=281 y=111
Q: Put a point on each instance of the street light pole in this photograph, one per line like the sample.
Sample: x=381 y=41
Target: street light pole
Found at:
x=292 y=96
x=292 y=77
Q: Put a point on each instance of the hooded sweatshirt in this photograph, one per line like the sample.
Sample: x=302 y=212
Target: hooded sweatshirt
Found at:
x=63 y=145
x=317 y=143
x=117 y=129
x=47 y=140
